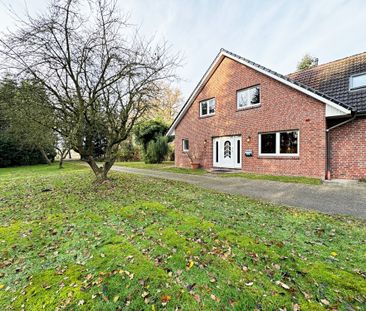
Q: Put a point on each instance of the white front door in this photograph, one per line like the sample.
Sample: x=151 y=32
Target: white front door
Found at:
x=227 y=152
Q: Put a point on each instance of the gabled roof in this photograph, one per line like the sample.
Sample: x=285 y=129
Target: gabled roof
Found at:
x=335 y=104
x=333 y=79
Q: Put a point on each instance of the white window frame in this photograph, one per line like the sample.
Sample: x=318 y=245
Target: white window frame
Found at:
x=183 y=147
x=208 y=102
x=351 y=88
x=278 y=143
x=238 y=92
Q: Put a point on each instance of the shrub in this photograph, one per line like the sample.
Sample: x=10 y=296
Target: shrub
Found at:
x=157 y=150
x=149 y=131
x=128 y=152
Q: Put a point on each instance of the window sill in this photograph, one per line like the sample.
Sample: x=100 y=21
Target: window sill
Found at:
x=280 y=157
x=207 y=116
x=360 y=88
x=249 y=107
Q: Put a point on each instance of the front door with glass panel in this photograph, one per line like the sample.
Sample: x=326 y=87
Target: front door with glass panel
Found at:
x=227 y=152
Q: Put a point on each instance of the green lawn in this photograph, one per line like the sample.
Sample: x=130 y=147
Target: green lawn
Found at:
x=169 y=166
x=141 y=243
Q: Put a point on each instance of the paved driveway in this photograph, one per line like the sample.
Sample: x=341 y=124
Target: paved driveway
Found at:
x=346 y=199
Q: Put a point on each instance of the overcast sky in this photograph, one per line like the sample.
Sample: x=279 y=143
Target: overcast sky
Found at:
x=274 y=33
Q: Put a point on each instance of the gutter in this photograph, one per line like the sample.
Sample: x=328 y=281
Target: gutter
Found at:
x=327 y=139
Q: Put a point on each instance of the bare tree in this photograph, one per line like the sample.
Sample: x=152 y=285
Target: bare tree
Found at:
x=100 y=75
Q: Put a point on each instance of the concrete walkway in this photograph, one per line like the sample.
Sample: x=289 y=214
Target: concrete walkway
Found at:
x=346 y=199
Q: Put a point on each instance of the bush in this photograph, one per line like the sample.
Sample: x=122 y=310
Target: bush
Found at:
x=128 y=152
x=157 y=150
x=149 y=131
x=171 y=153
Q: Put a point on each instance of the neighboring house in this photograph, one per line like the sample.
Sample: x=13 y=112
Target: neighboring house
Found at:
x=244 y=116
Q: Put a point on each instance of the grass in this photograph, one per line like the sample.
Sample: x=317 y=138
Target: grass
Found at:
x=288 y=179
x=138 y=243
x=169 y=166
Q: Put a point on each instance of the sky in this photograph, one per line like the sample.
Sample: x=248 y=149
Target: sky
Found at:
x=275 y=33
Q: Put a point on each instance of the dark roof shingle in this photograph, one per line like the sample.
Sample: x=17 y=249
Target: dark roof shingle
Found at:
x=333 y=79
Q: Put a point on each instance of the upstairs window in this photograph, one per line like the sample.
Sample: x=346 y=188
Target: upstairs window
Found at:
x=185 y=145
x=207 y=107
x=357 y=81
x=247 y=98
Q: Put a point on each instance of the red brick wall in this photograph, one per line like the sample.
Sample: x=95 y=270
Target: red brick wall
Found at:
x=282 y=108
x=348 y=150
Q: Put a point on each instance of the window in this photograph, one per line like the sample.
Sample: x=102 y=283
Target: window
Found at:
x=248 y=97
x=185 y=144
x=227 y=149
x=279 y=144
x=357 y=81
x=207 y=107
x=268 y=143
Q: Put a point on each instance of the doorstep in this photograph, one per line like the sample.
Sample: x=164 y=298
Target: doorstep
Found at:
x=218 y=170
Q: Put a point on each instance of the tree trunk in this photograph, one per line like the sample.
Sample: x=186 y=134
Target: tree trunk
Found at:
x=45 y=155
x=98 y=171
x=61 y=164
x=101 y=172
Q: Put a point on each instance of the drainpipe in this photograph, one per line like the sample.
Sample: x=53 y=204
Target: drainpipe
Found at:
x=327 y=139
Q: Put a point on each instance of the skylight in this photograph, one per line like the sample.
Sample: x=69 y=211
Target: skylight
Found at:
x=357 y=81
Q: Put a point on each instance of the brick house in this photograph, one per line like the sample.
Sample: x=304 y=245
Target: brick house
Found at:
x=244 y=116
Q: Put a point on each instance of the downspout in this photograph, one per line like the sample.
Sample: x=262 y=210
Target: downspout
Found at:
x=327 y=138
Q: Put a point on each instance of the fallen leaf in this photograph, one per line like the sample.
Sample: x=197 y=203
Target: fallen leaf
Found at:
x=81 y=302
x=144 y=294
x=189 y=265
x=2 y=286
x=213 y=297
x=285 y=286
x=89 y=277
x=296 y=307
x=213 y=280
x=165 y=298
x=334 y=254
x=197 y=298
x=115 y=298
x=324 y=302
x=277 y=267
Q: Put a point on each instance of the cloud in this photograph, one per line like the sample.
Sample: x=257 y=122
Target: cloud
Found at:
x=275 y=34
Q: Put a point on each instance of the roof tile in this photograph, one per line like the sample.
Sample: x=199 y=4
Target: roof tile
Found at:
x=333 y=79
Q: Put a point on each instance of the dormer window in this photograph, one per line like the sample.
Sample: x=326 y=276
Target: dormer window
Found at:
x=357 y=81
x=207 y=107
